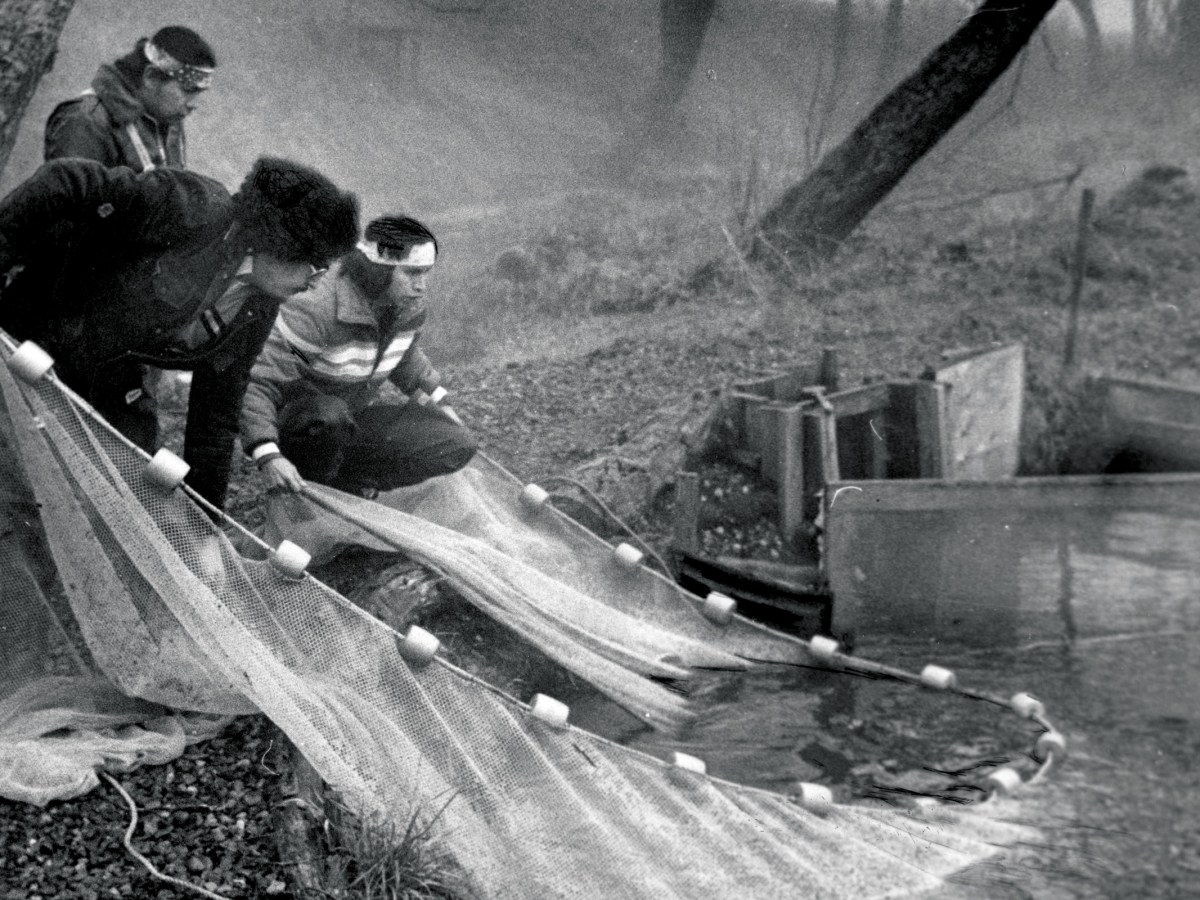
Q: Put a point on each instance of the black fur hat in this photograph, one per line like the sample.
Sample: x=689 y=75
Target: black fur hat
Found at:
x=295 y=213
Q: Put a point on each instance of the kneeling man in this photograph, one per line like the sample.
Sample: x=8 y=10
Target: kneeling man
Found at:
x=310 y=411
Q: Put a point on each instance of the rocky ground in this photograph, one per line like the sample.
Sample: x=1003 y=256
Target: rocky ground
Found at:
x=890 y=307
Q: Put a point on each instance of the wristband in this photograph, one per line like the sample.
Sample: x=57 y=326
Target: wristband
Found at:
x=263 y=449
x=267 y=457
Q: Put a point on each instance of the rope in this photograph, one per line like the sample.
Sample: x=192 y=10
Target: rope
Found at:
x=604 y=508
x=832 y=658
x=149 y=866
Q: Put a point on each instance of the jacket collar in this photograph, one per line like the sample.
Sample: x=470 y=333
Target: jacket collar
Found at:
x=118 y=96
x=350 y=305
x=353 y=307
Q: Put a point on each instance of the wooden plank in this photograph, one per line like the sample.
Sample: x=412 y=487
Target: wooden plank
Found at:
x=859 y=401
x=984 y=409
x=786 y=386
x=1013 y=559
x=820 y=458
x=1167 y=445
x=747 y=418
x=789 y=438
x=933 y=440
x=1179 y=490
x=687 y=512
x=1136 y=400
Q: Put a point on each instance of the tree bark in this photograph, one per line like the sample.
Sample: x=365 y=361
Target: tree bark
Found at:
x=1140 y=28
x=813 y=217
x=29 y=31
x=1187 y=41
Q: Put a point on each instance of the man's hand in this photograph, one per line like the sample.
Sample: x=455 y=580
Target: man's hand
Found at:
x=281 y=473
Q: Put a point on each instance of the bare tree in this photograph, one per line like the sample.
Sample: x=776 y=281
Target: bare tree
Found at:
x=1187 y=41
x=1092 y=36
x=814 y=216
x=29 y=31
x=682 y=26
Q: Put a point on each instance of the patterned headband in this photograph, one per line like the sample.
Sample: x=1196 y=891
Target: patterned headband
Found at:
x=190 y=78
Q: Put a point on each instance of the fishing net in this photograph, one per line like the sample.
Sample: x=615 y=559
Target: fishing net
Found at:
x=133 y=625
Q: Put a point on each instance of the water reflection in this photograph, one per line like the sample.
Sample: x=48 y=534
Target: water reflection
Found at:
x=1096 y=611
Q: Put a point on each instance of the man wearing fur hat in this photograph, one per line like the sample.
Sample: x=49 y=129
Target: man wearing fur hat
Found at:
x=310 y=410
x=108 y=270
x=133 y=113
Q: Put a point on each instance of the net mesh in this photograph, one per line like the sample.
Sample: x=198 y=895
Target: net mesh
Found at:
x=126 y=603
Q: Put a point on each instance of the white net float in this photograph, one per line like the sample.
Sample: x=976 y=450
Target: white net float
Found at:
x=687 y=763
x=1049 y=742
x=534 y=496
x=938 y=678
x=419 y=646
x=814 y=797
x=718 y=608
x=166 y=470
x=551 y=711
x=290 y=560
x=628 y=556
x=1004 y=781
x=30 y=361
x=822 y=648
x=1026 y=705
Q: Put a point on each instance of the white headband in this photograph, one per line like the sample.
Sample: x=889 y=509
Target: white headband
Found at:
x=418 y=254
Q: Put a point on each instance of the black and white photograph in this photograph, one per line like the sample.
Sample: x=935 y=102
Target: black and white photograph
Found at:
x=599 y=449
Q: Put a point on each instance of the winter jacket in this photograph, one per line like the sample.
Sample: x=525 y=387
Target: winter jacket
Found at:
x=111 y=264
x=109 y=124
x=328 y=341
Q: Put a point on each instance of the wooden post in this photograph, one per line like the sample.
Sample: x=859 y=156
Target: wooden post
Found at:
x=935 y=455
x=789 y=451
x=1078 y=268
x=830 y=370
x=687 y=512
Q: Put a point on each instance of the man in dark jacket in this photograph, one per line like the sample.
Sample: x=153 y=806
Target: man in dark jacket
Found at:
x=133 y=114
x=108 y=270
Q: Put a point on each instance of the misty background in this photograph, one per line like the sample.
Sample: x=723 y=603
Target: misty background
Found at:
x=493 y=121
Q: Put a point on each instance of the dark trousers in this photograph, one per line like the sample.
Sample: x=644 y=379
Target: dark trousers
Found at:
x=382 y=447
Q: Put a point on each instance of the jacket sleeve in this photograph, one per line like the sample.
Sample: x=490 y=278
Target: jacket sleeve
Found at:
x=72 y=132
x=215 y=399
x=156 y=209
x=281 y=362
x=415 y=371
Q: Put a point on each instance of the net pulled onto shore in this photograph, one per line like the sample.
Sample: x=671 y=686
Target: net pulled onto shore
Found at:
x=117 y=582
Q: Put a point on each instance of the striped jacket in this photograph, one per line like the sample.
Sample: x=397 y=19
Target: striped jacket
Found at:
x=327 y=340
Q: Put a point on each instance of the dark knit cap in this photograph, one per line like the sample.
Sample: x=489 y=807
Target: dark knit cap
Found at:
x=398 y=233
x=185 y=45
x=295 y=213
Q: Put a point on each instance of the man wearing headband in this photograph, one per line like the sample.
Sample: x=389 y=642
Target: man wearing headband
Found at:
x=310 y=410
x=133 y=113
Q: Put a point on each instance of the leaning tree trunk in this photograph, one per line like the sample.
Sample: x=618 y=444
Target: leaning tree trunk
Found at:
x=813 y=217
x=29 y=31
